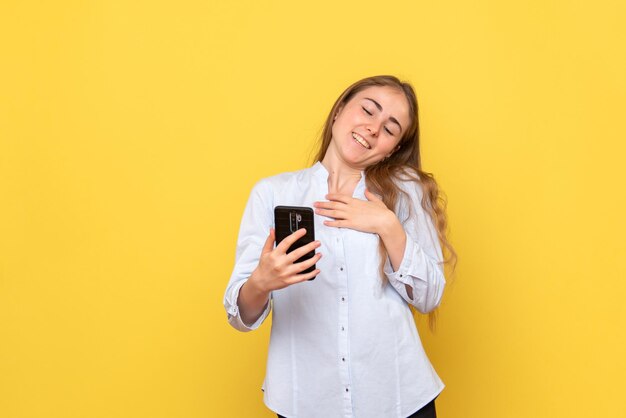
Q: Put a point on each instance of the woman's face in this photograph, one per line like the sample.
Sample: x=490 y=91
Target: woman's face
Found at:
x=369 y=127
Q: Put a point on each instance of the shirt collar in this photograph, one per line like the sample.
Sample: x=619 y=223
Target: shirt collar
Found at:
x=320 y=171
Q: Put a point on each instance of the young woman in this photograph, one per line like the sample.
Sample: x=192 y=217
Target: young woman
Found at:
x=345 y=344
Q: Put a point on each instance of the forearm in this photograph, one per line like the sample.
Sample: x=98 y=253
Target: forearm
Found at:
x=252 y=302
x=394 y=239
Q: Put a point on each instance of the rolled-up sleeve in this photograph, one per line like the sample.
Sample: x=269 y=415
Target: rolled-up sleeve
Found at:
x=421 y=267
x=253 y=231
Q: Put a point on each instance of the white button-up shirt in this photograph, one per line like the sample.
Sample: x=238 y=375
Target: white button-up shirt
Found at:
x=344 y=344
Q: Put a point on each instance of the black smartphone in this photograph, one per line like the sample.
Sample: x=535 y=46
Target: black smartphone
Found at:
x=287 y=220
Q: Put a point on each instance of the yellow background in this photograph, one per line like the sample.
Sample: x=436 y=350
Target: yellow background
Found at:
x=132 y=131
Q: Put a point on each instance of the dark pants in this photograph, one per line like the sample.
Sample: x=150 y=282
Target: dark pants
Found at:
x=427 y=411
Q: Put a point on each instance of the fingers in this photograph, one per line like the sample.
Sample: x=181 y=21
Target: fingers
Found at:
x=371 y=196
x=297 y=276
x=330 y=213
x=338 y=223
x=303 y=277
x=331 y=209
x=305 y=249
x=297 y=268
x=269 y=242
x=329 y=205
x=290 y=239
x=339 y=197
x=293 y=275
x=303 y=265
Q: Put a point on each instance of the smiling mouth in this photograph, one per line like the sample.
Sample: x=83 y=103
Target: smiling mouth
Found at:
x=358 y=138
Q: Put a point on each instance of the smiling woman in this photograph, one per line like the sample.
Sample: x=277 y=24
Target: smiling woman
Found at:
x=370 y=119
x=345 y=344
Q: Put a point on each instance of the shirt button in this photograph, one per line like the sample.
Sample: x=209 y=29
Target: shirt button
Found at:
x=342 y=328
x=400 y=275
x=343 y=359
x=341 y=268
x=343 y=299
x=347 y=390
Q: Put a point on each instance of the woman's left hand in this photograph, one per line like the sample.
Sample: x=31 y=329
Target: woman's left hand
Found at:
x=369 y=215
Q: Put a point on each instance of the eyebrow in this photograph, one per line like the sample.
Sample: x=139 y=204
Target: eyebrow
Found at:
x=380 y=108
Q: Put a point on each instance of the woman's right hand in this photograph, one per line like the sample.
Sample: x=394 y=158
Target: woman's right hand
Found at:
x=277 y=269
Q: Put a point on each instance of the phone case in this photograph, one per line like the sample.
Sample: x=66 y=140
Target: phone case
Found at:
x=287 y=220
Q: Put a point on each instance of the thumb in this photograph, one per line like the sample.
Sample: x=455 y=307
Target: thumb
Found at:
x=371 y=196
x=269 y=242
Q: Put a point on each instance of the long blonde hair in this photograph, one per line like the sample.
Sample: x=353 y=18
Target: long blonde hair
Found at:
x=405 y=161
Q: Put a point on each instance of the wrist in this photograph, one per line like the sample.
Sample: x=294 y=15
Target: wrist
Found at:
x=255 y=288
x=390 y=226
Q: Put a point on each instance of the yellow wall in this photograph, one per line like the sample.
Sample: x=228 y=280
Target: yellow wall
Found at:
x=132 y=131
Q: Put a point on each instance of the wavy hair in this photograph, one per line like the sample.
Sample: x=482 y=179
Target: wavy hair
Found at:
x=404 y=162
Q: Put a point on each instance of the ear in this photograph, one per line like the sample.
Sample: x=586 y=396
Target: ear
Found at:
x=338 y=111
x=393 y=150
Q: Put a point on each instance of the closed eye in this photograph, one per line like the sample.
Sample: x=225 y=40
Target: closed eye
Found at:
x=369 y=113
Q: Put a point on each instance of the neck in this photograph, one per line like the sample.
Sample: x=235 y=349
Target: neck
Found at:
x=342 y=178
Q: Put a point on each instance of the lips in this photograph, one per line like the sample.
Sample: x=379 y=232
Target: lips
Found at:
x=361 y=141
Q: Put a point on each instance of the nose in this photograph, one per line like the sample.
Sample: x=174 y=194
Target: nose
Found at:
x=373 y=130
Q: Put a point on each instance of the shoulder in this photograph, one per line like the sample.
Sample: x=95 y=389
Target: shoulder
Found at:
x=281 y=180
x=409 y=181
x=407 y=175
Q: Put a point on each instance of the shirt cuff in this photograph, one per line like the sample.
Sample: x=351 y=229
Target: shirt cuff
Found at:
x=234 y=316
x=405 y=273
